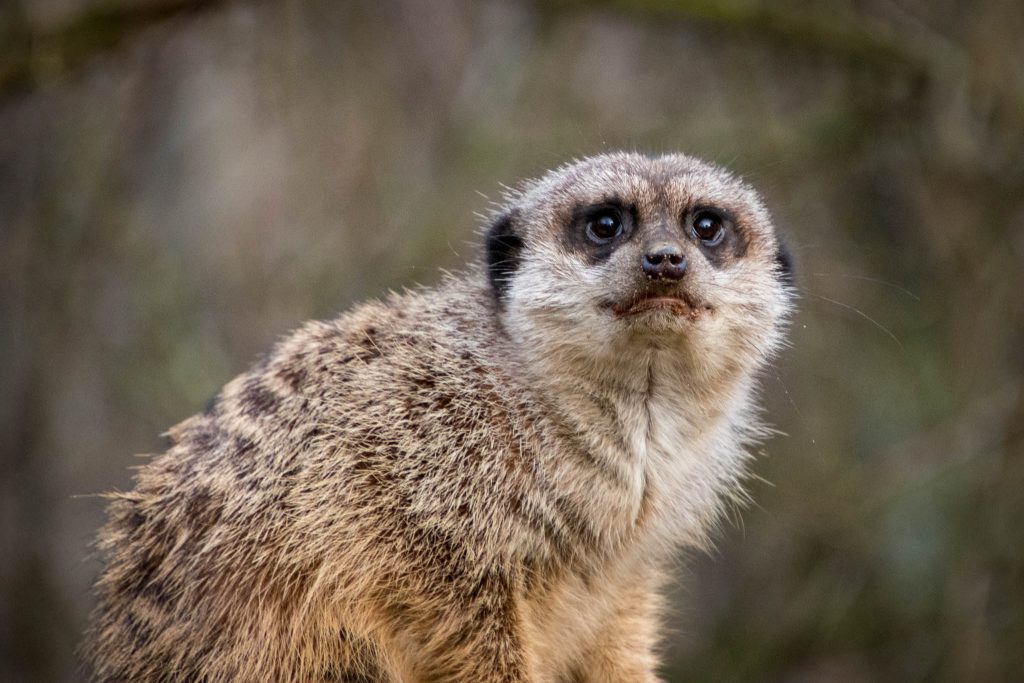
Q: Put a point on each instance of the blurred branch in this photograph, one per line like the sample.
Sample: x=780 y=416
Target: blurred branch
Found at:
x=926 y=60
x=31 y=58
x=869 y=43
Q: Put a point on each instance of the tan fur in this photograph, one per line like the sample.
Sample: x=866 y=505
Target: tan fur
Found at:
x=450 y=485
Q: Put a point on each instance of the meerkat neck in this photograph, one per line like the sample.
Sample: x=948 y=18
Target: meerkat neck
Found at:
x=668 y=436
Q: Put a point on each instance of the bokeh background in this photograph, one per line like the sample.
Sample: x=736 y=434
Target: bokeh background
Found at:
x=183 y=182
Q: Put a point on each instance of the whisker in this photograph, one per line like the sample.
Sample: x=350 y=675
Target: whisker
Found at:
x=906 y=291
x=785 y=390
x=864 y=315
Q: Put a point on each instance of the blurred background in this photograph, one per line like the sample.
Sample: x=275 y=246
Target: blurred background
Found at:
x=183 y=182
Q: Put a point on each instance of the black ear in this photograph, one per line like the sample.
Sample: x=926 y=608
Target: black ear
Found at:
x=503 y=249
x=784 y=259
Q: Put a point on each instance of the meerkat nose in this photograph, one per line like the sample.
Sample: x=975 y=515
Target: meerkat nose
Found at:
x=664 y=262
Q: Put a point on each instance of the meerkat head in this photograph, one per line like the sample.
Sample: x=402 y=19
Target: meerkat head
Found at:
x=622 y=251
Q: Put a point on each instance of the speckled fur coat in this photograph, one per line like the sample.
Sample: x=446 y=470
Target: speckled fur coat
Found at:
x=479 y=481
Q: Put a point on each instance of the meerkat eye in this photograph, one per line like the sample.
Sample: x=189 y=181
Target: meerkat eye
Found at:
x=604 y=226
x=709 y=227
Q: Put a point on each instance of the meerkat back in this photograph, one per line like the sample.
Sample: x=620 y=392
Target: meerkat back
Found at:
x=479 y=481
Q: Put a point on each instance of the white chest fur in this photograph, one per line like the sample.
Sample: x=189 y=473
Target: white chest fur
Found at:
x=674 y=459
x=688 y=460
x=679 y=452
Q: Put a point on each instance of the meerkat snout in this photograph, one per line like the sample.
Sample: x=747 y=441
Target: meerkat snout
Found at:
x=664 y=261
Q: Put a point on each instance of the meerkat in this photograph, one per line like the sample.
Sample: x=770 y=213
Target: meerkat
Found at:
x=478 y=481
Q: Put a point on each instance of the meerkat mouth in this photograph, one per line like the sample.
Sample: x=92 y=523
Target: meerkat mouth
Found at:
x=676 y=305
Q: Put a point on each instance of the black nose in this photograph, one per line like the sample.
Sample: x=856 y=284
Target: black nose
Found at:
x=665 y=262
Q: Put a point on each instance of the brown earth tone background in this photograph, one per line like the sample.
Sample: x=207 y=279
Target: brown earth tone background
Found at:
x=183 y=182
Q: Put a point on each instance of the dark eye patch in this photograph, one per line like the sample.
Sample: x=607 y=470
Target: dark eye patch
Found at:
x=730 y=245
x=784 y=259
x=588 y=231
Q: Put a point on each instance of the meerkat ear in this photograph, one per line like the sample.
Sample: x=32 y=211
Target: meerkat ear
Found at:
x=503 y=247
x=784 y=259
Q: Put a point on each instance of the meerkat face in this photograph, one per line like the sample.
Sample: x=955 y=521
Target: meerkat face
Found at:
x=624 y=251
